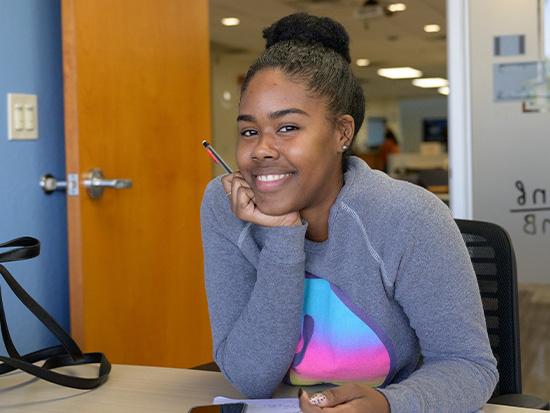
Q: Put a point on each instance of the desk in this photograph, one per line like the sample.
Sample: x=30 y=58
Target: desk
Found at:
x=132 y=389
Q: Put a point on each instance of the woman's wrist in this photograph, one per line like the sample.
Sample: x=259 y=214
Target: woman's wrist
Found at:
x=295 y=221
x=283 y=244
x=280 y=221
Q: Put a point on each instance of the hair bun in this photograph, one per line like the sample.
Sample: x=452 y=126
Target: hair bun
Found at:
x=309 y=29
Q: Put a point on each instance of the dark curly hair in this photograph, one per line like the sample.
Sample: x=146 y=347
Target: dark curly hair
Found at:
x=314 y=50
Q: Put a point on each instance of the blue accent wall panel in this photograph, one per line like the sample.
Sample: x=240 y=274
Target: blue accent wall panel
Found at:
x=31 y=62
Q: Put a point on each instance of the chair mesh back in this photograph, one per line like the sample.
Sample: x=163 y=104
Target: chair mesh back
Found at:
x=494 y=263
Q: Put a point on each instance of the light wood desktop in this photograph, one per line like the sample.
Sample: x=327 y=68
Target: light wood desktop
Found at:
x=133 y=389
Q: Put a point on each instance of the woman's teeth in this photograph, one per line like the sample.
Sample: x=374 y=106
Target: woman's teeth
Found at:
x=268 y=178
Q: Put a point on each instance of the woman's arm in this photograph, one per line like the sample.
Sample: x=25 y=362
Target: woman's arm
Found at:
x=255 y=312
x=437 y=288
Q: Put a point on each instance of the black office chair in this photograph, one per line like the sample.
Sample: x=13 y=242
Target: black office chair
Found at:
x=494 y=262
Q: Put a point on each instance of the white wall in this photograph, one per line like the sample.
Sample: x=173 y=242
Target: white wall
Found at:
x=412 y=112
x=508 y=145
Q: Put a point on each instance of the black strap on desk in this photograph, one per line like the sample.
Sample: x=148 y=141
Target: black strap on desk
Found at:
x=66 y=354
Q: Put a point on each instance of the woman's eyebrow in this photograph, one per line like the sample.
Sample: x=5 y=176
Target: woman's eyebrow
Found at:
x=246 y=118
x=273 y=115
x=280 y=113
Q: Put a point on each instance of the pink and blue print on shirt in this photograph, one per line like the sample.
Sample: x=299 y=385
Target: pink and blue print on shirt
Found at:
x=339 y=344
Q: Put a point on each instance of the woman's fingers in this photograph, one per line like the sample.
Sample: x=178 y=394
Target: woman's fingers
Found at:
x=337 y=395
x=243 y=203
x=239 y=193
x=242 y=197
x=305 y=405
x=227 y=181
x=349 y=398
x=245 y=197
x=237 y=181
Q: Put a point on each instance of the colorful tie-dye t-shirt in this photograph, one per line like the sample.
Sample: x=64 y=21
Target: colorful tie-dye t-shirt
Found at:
x=339 y=343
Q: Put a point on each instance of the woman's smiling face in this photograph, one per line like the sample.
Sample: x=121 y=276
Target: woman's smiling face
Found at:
x=290 y=146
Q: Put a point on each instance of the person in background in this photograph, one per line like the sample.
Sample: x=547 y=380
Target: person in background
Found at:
x=319 y=269
x=388 y=147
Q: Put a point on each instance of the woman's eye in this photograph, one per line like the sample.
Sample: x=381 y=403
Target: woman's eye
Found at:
x=288 y=128
x=248 y=132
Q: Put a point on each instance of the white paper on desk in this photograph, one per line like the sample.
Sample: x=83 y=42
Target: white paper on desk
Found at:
x=289 y=405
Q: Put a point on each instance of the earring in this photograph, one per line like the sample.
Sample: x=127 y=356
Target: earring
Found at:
x=344 y=148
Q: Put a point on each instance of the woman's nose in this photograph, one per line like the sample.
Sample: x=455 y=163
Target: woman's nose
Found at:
x=265 y=148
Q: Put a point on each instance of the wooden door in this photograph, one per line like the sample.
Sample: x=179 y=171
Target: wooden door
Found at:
x=137 y=106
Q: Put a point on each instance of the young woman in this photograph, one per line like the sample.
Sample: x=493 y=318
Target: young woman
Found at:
x=321 y=270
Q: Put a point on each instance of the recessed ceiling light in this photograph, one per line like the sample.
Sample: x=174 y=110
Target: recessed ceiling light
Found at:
x=399 y=73
x=430 y=82
x=397 y=7
x=230 y=21
x=362 y=62
x=444 y=90
x=432 y=28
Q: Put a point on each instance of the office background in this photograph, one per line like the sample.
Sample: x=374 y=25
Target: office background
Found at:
x=507 y=146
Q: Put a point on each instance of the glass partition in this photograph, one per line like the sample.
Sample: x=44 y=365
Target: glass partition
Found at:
x=539 y=100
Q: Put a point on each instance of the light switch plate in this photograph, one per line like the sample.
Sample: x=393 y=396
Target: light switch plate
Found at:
x=22 y=116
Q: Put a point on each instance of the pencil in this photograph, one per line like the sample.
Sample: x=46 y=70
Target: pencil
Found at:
x=215 y=157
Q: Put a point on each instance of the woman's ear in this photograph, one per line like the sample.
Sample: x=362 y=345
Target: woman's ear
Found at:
x=345 y=128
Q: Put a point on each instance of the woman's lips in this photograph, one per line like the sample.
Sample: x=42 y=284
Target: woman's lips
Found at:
x=271 y=182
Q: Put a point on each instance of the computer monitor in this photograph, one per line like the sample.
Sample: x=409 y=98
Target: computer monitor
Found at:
x=434 y=130
x=376 y=128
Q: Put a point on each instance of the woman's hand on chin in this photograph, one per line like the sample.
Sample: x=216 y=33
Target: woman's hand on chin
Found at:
x=241 y=198
x=349 y=398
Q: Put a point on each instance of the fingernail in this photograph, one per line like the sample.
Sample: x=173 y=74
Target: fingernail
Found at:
x=318 y=399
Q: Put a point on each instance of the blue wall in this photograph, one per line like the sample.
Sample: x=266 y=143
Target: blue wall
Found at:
x=30 y=62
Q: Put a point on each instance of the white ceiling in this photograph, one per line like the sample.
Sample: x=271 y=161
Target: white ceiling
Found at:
x=387 y=41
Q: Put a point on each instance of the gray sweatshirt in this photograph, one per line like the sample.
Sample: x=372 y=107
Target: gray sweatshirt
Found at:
x=394 y=275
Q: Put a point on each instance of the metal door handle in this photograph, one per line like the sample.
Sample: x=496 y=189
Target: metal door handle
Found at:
x=95 y=183
x=108 y=183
